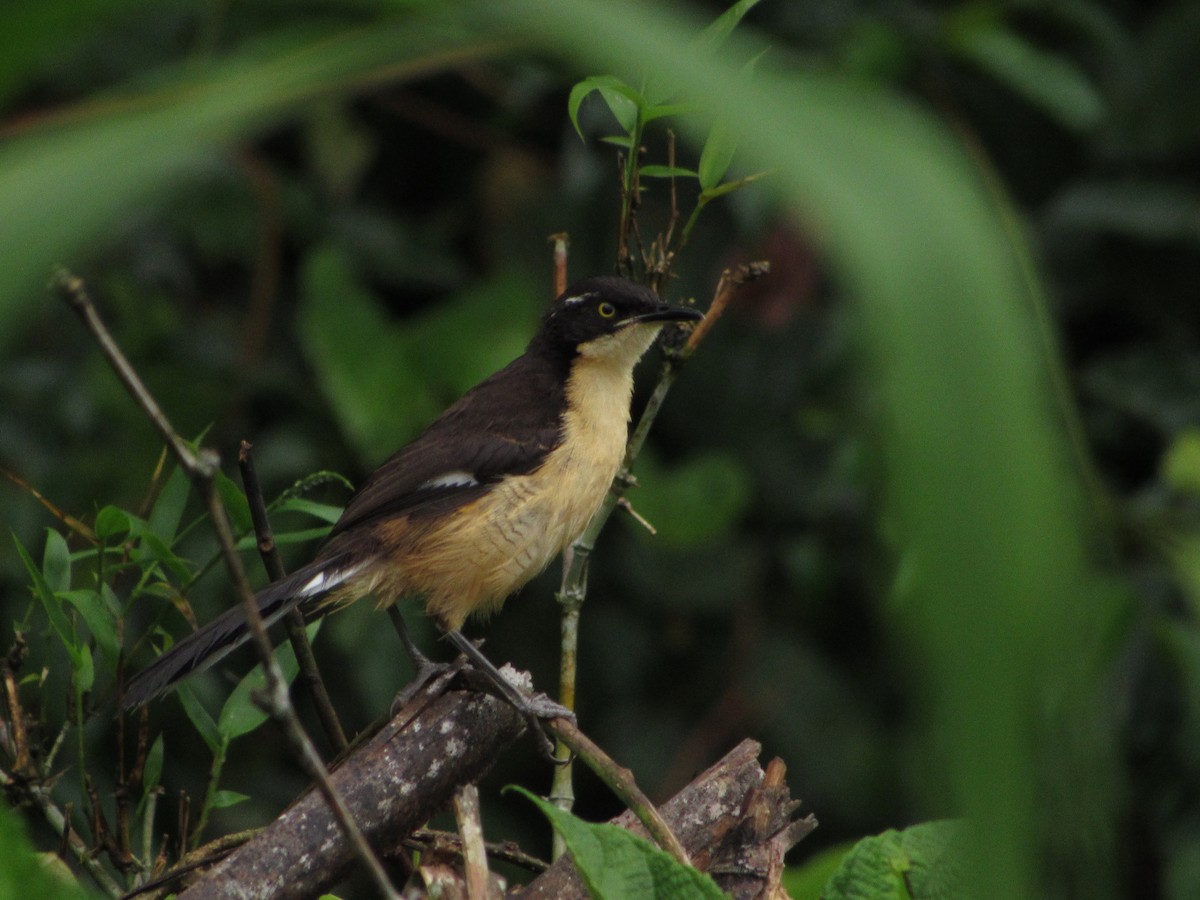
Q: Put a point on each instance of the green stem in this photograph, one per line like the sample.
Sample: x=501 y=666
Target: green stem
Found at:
x=210 y=792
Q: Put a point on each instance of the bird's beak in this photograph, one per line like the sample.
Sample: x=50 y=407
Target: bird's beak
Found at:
x=667 y=312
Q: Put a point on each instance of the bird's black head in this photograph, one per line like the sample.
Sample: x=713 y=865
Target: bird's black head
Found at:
x=606 y=316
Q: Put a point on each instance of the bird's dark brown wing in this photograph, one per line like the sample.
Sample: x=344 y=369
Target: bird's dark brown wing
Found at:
x=505 y=425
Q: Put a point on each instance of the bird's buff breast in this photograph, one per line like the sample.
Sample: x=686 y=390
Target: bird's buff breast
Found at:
x=469 y=564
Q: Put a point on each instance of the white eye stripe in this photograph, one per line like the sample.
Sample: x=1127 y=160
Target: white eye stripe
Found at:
x=457 y=478
x=571 y=300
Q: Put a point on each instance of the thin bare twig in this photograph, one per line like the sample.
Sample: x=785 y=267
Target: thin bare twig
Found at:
x=427 y=839
x=310 y=674
x=202 y=468
x=620 y=780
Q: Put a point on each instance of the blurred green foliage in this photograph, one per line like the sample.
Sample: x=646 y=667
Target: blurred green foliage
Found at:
x=926 y=499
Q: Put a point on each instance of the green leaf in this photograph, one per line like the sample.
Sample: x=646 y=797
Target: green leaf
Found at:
x=199 y=717
x=807 y=880
x=83 y=669
x=1181 y=465
x=152 y=547
x=622 y=100
x=1049 y=80
x=51 y=604
x=616 y=864
x=226 y=799
x=152 y=773
x=99 y=618
x=665 y=110
x=919 y=863
x=167 y=513
x=56 y=562
x=235 y=502
x=326 y=512
x=299 y=536
x=240 y=715
x=730 y=186
x=24 y=873
x=112 y=522
x=717 y=155
x=666 y=172
x=722 y=27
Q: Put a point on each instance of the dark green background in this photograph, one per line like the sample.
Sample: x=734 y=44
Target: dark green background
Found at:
x=926 y=530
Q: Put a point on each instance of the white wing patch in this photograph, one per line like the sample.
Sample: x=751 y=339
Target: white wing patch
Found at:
x=456 y=478
x=324 y=582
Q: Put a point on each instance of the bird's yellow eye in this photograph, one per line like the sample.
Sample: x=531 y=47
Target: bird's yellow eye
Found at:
x=606 y=310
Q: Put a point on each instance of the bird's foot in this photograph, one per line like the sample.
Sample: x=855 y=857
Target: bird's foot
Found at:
x=427 y=671
x=516 y=688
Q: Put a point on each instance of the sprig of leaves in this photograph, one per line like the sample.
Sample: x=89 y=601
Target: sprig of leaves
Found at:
x=636 y=108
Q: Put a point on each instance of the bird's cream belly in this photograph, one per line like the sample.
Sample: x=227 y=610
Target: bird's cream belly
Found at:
x=468 y=563
x=496 y=545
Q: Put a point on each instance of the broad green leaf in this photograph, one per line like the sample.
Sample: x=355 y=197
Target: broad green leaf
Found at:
x=167 y=512
x=1048 y=79
x=199 y=717
x=56 y=562
x=152 y=773
x=919 y=863
x=98 y=617
x=616 y=864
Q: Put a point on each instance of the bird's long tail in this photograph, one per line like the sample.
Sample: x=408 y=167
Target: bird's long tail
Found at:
x=305 y=588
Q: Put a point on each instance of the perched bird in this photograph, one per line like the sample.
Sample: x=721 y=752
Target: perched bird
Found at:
x=482 y=500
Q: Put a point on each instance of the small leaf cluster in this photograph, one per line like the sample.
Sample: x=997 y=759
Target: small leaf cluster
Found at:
x=636 y=108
